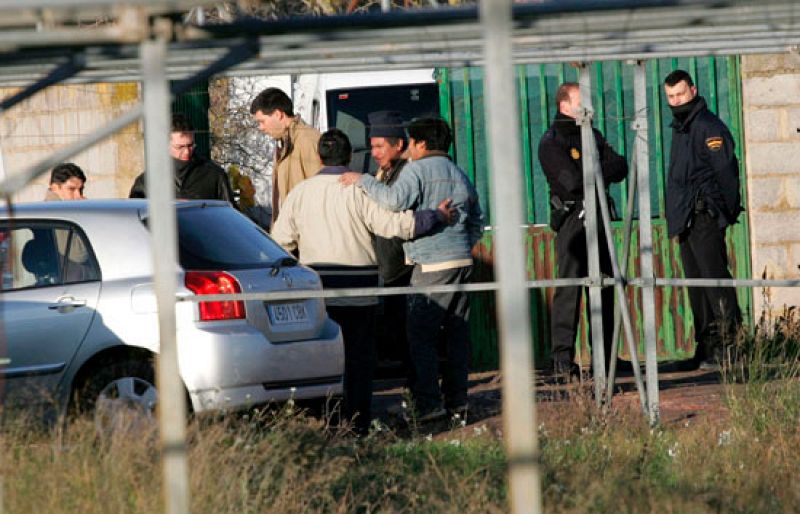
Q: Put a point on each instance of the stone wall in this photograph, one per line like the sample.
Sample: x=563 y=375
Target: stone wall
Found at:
x=771 y=108
x=61 y=115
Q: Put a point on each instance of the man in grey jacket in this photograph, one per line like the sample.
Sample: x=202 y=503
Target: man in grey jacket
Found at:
x=444 y=256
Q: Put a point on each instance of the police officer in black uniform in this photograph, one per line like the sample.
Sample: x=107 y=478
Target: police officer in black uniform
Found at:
x=702 y=199
x=560 y=154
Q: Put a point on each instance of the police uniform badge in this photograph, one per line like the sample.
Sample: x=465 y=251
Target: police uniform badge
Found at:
x=574 y=153
x=714 y=143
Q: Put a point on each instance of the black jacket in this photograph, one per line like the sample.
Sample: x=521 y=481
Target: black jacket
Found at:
x=195 y=179
x=560 y=155
x=702 y=164
x=389 y=252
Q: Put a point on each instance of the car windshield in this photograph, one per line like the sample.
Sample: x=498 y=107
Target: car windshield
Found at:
x=214 y=237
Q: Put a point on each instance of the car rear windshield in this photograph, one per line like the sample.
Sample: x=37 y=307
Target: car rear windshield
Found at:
x=220 y=238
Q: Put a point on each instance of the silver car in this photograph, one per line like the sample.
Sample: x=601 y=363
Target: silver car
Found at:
x=79 y=321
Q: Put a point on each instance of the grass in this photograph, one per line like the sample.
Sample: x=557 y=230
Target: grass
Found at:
x=283 y=461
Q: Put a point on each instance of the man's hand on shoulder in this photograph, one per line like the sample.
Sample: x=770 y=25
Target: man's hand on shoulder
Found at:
x=348 y=178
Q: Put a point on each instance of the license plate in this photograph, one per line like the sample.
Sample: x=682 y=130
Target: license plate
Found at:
x=285 y=313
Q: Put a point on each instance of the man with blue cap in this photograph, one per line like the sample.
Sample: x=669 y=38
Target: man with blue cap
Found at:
x=387 y=138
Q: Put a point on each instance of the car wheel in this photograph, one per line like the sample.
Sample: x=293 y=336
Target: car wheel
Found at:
x=121 y=396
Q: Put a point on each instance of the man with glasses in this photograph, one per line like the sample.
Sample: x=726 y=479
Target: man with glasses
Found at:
x=196 y=178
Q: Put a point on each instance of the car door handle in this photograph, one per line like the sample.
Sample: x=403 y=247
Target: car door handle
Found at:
x=67 y=304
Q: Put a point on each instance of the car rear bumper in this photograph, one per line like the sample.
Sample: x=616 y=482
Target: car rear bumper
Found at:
x=249 y=396
x=230 y=365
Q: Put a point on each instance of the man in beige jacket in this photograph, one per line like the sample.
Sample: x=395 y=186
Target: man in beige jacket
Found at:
x=332 y=227
x=296 y=156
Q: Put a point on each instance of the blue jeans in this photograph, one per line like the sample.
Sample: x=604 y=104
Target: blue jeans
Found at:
x=435 y=317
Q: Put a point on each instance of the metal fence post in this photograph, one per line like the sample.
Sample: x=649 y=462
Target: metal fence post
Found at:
x=591 y=161
x=513 y=310
x=646 y=240
x=163 y=231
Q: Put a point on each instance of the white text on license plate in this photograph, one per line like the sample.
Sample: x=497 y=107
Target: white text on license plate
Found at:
x=283 y=313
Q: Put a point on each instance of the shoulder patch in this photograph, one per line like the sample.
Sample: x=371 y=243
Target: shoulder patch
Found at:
x=714 y=143
x=574 y=153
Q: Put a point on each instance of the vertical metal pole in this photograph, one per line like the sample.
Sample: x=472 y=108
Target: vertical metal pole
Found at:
x=2 y=166
x=627 y=230
x=386 y=5
x=646 y=240
x=163 y=231
x=513 y=309
x=622 y=301
x=591 y=162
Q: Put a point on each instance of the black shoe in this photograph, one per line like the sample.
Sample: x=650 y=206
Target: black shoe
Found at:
x=566 y=371
x=431 y=414
x=709 y=365
x=458 y=412
x=713 y=361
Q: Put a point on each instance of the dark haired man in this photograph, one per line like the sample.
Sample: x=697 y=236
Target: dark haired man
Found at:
x=296 y=154
x=702 y=199
x=66 y=183
x=442 y=257
x=560 y=154
x=331 y=228
x=195 y=177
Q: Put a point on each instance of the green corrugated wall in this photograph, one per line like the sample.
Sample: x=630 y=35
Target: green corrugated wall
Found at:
x=194 y=105
x=462 y=101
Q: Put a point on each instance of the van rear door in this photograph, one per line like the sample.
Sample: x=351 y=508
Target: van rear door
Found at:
x=348 y=109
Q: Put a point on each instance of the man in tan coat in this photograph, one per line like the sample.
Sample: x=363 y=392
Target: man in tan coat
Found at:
x=331 y=227
x=296 y=156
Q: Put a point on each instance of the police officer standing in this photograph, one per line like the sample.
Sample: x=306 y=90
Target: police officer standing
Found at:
x=702 y=199
x=560 y=155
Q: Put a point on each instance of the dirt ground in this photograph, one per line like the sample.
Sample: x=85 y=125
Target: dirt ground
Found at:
x=685 y=396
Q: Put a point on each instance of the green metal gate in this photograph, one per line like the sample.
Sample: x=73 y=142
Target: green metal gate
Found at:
x=194 y=104
x=462 y=101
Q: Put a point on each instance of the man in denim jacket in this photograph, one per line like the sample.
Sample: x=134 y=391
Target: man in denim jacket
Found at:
x=443 y=256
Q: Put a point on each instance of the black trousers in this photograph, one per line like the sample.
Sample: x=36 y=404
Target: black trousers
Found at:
x=573 y=263
x=715 y=309
x=358 y=332
x=431 y=317
x=393 y=344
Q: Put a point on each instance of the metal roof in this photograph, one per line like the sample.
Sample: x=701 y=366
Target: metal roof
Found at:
x=549 y=31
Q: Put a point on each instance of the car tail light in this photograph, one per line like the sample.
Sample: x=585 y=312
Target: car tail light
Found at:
x=216 y=282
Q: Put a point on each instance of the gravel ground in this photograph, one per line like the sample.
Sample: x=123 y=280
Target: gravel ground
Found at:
x=684 y=396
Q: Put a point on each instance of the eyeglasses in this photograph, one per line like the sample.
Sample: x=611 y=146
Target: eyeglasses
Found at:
x=180 y=148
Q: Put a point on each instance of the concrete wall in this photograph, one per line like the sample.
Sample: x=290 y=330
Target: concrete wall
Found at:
x=61 y=115
x=771 y=108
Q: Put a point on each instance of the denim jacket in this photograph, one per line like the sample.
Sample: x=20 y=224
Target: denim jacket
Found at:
x=423 y=184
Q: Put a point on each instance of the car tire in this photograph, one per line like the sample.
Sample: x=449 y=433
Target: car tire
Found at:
x=119 y=395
